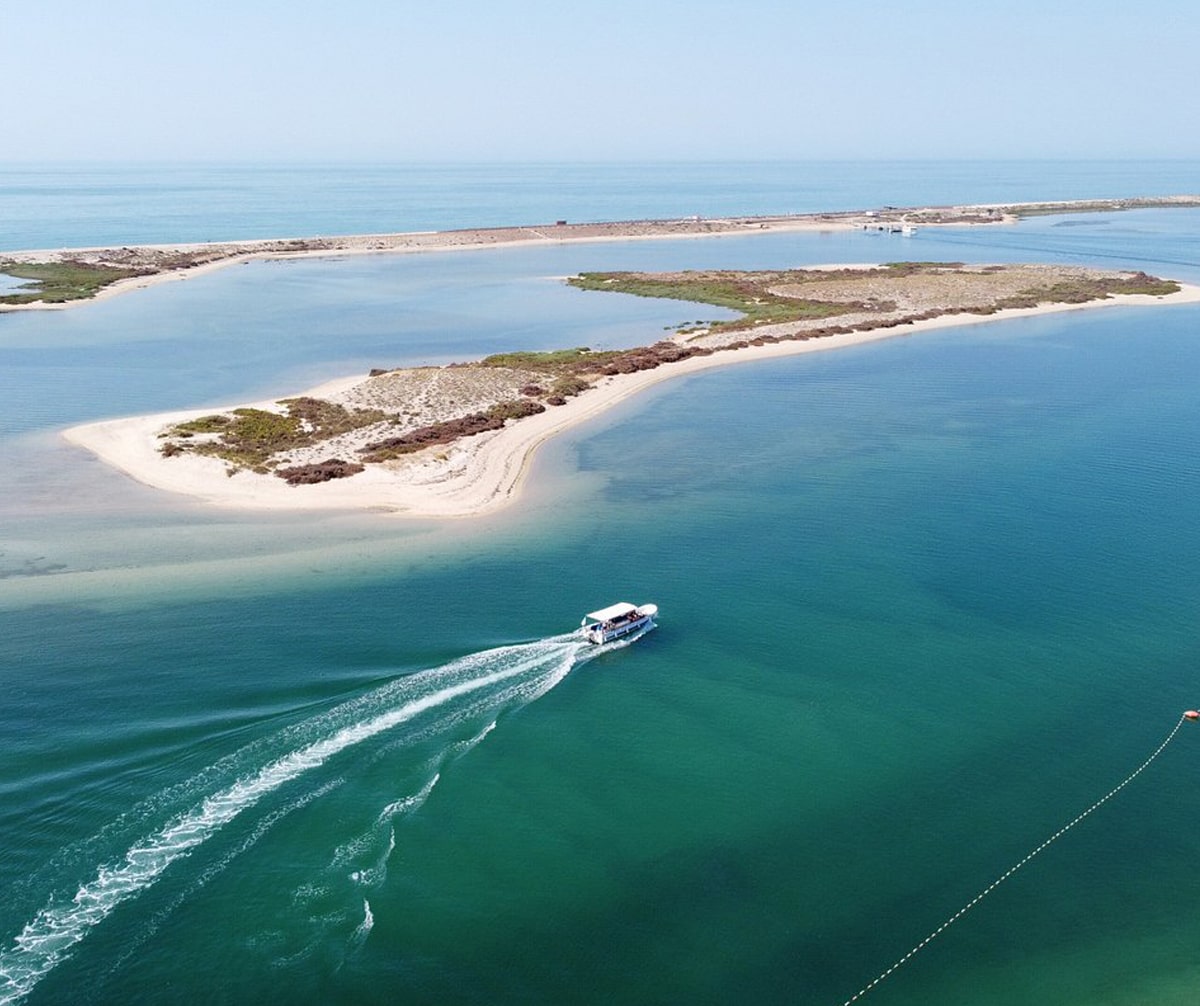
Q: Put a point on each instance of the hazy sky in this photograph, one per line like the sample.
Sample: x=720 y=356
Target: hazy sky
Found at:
x=553 y=80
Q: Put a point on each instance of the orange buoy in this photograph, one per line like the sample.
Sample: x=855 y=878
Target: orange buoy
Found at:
x=1191 y=714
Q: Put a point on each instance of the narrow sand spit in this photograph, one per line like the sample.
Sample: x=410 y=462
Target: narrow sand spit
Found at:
x=473 y=475
x=166 y=263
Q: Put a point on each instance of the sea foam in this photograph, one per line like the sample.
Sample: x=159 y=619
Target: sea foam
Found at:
x=49 y=937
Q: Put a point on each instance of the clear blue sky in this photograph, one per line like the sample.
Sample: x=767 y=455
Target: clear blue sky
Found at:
x=553 y=80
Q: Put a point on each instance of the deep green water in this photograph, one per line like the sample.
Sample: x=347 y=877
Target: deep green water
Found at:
x=922 y=603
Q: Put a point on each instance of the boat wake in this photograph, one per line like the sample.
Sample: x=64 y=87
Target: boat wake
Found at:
x=475 y=688
x=328 y=917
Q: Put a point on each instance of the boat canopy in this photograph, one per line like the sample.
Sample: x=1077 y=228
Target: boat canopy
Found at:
x=613 y=611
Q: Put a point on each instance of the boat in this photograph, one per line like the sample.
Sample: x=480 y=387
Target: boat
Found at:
x=617 y=620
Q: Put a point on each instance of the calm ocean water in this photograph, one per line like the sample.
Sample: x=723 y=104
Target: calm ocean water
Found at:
x=53 y=205
x=923 y=602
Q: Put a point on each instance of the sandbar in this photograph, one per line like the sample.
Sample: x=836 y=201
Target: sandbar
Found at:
x=170 y=262
x=474 y=475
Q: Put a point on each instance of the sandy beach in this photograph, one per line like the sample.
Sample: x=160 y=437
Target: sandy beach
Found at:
x=474 y=475
x=169 y=263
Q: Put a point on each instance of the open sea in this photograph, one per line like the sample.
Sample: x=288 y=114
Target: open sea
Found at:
x=923 y=602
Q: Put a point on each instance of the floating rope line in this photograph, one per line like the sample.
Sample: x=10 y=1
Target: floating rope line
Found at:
x=1190 y=715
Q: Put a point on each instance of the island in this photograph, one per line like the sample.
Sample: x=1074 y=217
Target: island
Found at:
x=70 y=276
x=456 y=440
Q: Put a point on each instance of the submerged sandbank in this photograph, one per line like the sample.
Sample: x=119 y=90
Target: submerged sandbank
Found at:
x=474 y=475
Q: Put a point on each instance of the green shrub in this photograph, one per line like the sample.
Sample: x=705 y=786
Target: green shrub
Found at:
x=59 y=282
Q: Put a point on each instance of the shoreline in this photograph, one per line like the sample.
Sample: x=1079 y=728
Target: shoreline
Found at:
x=172 y=262
x=474 y=475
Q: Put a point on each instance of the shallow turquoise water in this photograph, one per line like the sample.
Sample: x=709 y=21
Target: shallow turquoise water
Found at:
x=923 y=602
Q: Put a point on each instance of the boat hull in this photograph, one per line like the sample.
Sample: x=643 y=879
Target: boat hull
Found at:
x=599 y=636
x=631 y=621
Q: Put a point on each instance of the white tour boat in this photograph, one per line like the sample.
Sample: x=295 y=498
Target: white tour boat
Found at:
x=617 y=620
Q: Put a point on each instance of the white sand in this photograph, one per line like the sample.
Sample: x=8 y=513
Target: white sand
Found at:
x=475 y=475
x=414 y=242
x=226 y=253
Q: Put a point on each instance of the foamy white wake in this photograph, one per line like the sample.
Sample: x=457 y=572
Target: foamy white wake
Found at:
x=364 y=927
x=134 y=944
x=49 y=936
